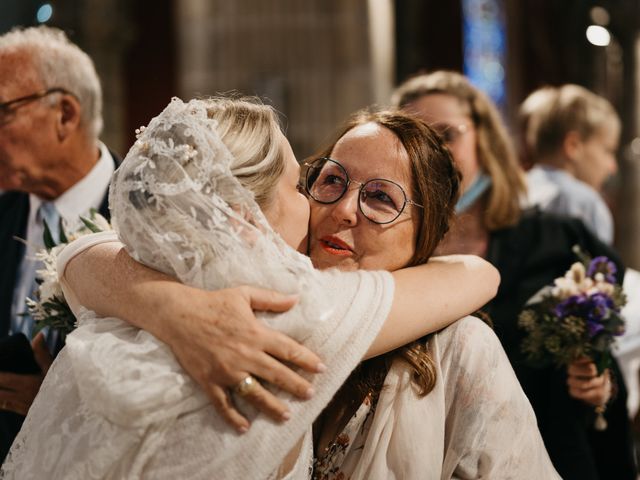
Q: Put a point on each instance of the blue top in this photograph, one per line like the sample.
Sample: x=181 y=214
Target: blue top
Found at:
x=557 y=191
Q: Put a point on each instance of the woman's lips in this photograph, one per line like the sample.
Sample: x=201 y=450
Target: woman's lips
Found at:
x=335 y=246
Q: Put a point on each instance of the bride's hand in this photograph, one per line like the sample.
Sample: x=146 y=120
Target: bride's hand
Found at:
x=218 y=340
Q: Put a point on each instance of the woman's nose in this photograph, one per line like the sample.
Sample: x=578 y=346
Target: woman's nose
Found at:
x=345 y=210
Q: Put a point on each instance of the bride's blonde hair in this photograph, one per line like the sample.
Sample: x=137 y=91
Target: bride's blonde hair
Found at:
x=251 y=132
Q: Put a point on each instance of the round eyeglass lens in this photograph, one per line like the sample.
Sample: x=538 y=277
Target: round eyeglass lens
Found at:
x=381 y=201
x=327 y=180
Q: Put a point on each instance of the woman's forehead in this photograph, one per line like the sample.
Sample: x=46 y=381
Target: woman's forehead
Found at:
x=439 y=107
x=373 y=151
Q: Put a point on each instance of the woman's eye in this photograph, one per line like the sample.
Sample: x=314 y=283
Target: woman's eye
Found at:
x=383 y=197
x=380 y=196
x=333 y=180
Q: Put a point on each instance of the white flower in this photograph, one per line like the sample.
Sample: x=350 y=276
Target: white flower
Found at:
x=587 y=285
x=49 y=289
x=100 y=222
x=603 y=287
x=565 y=287
x=50 y=286
x=577 y=273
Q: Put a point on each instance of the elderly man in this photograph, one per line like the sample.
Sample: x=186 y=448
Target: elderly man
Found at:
x=52 y=166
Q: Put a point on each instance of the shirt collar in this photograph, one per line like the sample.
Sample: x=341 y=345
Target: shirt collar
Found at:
x=87 y=193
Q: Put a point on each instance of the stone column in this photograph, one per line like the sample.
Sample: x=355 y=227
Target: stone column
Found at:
x=312 y=60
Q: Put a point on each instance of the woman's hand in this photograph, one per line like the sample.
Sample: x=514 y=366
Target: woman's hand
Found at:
x=218 y=340
x=586 y=385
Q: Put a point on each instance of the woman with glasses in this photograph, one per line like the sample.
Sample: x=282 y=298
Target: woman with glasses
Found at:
x=436 y=407
x=530 y=250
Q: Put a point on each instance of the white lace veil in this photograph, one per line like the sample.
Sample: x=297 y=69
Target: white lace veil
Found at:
x=178 y=207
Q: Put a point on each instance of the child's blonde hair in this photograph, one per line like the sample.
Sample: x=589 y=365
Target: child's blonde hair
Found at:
x=550 y=113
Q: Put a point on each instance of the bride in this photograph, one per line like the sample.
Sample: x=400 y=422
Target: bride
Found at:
x=208 y=195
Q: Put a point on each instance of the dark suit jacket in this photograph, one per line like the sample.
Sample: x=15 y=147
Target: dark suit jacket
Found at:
x=529 y=256
x=14 y=213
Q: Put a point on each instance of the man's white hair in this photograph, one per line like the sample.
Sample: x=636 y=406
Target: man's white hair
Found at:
x=60 y=63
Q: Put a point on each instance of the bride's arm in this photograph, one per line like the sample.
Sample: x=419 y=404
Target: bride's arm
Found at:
x=217 y=339
x=429 y=297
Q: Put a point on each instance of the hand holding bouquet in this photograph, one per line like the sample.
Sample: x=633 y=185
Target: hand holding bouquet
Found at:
x=577 y=317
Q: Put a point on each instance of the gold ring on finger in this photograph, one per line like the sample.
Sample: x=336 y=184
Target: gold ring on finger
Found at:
x=246 y=386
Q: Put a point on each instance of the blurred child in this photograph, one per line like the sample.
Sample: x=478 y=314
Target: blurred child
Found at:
x=571 y=137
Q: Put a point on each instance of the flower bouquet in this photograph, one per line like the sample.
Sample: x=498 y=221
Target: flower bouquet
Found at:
x=49 y=308
x=579 y=316
x=576 y=317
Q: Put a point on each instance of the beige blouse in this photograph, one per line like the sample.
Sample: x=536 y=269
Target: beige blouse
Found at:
x=477 y=423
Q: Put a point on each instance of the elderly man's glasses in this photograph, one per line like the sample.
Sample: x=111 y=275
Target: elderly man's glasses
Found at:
x=379 y=200
x=450 y=133
x=6 y=107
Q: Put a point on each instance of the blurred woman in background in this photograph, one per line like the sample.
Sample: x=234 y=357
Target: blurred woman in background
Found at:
x=530 y=249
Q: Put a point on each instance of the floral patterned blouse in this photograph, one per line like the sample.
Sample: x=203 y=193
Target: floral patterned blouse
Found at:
x=340 y=458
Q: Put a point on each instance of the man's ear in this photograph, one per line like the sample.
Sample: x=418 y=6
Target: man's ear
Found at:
x=68 y=118
x=572 y=145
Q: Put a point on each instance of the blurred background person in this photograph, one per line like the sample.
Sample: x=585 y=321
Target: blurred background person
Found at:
x=572 y=135
x=530 y=250
x=528 y=114
x=571 y=138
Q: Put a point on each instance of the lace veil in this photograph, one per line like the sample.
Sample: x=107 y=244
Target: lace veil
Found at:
x=178 y=207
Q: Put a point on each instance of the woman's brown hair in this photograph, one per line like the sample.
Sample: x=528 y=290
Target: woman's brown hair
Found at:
x=496 y=152
x=435 y=186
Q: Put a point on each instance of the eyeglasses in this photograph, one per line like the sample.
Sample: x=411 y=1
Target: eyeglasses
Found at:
x=379 y=200
x=450 y=133
x=5 y=107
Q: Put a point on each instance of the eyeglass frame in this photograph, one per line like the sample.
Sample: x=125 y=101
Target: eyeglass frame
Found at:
x=5 y=106
x=407 y=201
x=461 y=129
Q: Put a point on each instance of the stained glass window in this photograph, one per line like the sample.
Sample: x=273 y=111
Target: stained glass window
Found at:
x=485 y=47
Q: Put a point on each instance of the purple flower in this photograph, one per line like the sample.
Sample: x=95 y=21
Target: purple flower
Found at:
x=605 y=266
x=599 y=306
x=570 y=306
x=594 y=328
x=593 y=309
